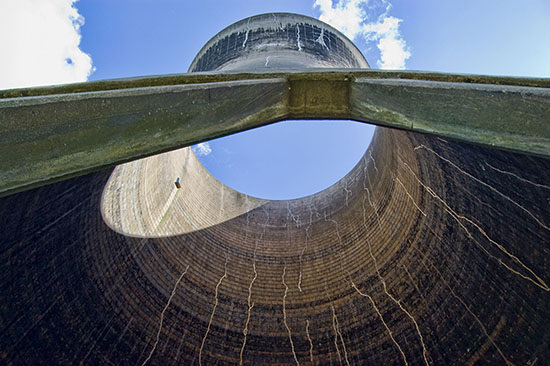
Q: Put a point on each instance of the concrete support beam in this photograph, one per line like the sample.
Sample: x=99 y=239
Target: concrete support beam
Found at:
x=52 y=137
x=52 y=133
x=502 y=116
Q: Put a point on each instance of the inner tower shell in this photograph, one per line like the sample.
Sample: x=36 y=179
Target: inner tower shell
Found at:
x=428 y=252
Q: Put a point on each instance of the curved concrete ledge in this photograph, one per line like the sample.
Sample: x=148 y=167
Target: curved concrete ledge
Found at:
x=142 y=200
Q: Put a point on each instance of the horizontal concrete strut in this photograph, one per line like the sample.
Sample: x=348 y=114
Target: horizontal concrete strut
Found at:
x=53 y=133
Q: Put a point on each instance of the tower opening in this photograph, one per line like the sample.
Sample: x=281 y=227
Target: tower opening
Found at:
x=287 y=160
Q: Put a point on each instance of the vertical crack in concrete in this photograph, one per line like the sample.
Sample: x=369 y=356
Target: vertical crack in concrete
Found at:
x=246 y=34
x=298 y=37
x=409 y=195
x=284 y=318
x=381 y=278
x=423 y=255
x=339 y=334
x=373 y=162
x=536 y=280
x=335 y=334
x=485 y=185
x=304 y=248
x=383 y=322
x=321 y=39
x=347 y=276
x=213 y=310
x=278 y=24
x=348 y=193
x=249 y=300
x=295 y=218
x=310 y=342
x=162 y=316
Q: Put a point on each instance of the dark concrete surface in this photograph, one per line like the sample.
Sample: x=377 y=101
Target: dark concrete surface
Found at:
x=450 y=259
x=428 y=252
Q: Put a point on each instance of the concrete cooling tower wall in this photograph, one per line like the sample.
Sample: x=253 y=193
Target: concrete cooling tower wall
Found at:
x=429 y=252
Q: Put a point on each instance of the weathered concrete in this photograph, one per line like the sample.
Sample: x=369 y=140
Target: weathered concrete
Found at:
x=429 y=252
x=48 y=138
x=503 y=116
x=263 y=75
x=458 y=233
x=53 y=136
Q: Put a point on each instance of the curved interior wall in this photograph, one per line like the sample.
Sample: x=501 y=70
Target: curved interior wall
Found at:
x=437 y=254
x=428 y=252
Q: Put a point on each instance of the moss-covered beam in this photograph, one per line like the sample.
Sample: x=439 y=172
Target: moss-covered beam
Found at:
x=310 y=74
x=503 y=116
x=52 y=133
x=53 y=137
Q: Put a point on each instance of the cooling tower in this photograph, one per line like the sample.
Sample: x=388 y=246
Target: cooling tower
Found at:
x=429 y=252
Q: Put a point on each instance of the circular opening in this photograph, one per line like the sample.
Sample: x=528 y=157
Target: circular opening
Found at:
x=286 y=160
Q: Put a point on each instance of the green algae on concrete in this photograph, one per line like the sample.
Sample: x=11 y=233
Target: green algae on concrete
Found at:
x=52 y=133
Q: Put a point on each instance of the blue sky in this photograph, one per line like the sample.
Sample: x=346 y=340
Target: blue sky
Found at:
x=60 y=41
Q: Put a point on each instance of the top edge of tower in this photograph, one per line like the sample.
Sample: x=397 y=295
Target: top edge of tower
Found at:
x=305 y=41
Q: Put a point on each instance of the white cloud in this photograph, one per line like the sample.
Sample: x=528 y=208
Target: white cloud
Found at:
x=346 y=16
x=393 y=49
x=202 y=149
x=353 y=18
x=40 y=43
